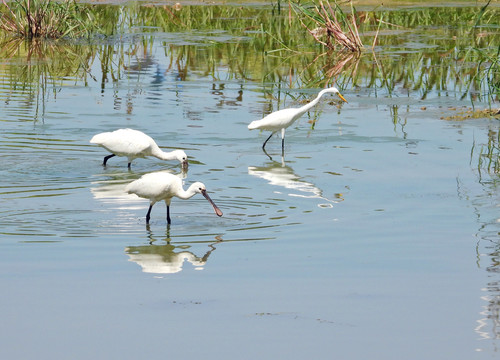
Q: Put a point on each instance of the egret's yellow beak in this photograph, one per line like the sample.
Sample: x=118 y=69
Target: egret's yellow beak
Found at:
x=343 y=98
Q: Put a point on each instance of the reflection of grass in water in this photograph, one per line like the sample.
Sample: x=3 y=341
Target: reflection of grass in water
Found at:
x=488 y=156
x=32 y=19
x=37 y=77
x=431 y=55
x=45 y=65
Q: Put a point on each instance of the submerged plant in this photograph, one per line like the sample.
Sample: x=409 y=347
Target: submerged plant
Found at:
x=488 y=155
x=489 y=70
x=45 y=19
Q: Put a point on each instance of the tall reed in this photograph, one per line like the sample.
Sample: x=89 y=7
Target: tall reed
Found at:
x=46 y=19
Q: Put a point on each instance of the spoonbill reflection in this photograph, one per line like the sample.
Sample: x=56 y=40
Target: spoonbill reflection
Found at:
x=164 y=259
x=281 y=119
x=159 y=186
x=134 y=144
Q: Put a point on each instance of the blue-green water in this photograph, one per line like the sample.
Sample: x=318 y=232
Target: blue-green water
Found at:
x=372 y=238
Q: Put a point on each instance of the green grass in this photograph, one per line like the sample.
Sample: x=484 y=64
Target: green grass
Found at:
x=32 y=19
x=268 y=46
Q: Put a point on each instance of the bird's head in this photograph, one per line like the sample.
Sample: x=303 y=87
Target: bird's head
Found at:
x=199 y=187
x=334 y=90
x=182 y=157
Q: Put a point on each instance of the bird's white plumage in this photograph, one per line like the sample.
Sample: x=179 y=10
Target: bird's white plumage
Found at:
x=282 y=119
x=135 y=144
x=277 y=120
x=159 y=186
x=125 y=142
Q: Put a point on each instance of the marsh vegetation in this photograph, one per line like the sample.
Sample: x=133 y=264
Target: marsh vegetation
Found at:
x=255 y=44
x=399 y=185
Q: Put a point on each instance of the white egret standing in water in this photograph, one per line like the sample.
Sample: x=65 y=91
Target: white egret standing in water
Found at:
x=159 y=186
x=134 y=144
x=281 y=119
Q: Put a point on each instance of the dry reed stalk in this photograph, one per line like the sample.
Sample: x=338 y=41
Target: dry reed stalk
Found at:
x=330 y=26
x=349 y=39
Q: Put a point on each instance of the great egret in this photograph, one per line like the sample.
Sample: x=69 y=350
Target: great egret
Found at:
x=159 y=186
x=281 y=119
x=134 y=144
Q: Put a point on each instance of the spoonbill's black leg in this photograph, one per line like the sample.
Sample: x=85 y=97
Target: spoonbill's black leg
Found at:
x=265 y=142
x=129 y=165
x=106 y=158
x=269 y=156
x=148 y=215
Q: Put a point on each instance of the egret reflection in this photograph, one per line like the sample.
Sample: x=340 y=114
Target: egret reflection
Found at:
x=282 y=175
x=168 y=258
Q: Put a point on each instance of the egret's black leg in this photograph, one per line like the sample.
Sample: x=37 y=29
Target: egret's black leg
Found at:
x=106 y=158
x=129 y=165
x=265 y=142
x=282 y=142
x=148 y=215
x=168 y=215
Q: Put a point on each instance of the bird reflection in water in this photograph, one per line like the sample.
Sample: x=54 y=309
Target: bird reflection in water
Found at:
x=167 y=258
x=280 y=174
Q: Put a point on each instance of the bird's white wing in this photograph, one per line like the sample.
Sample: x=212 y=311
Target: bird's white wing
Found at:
x=275 y=121
x=132 y=141
x=124 y=141
x=153 y=185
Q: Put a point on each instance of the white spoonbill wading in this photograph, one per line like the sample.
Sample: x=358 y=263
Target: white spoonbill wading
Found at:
x=159 y=186
x=281 y=119
x=134 y=144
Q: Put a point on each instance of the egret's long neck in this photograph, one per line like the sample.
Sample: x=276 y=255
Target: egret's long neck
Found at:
x=306 y=107
x=162 y=155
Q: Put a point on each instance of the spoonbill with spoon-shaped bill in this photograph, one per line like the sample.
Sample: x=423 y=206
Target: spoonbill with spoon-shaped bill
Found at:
x=135 y=144
x=159 y=186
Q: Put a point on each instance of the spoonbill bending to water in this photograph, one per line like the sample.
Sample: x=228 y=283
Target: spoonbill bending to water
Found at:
x=159 y=186
x=281 y=119
x=134 y=144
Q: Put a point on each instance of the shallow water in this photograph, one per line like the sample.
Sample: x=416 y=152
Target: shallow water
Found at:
x=372 y=238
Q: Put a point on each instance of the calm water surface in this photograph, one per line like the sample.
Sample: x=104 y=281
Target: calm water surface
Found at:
x=375 y=237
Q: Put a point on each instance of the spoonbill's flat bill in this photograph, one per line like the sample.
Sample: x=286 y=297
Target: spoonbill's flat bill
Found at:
x=159 y=186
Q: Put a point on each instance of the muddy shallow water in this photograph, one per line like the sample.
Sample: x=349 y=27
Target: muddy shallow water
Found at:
x=374 y=237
